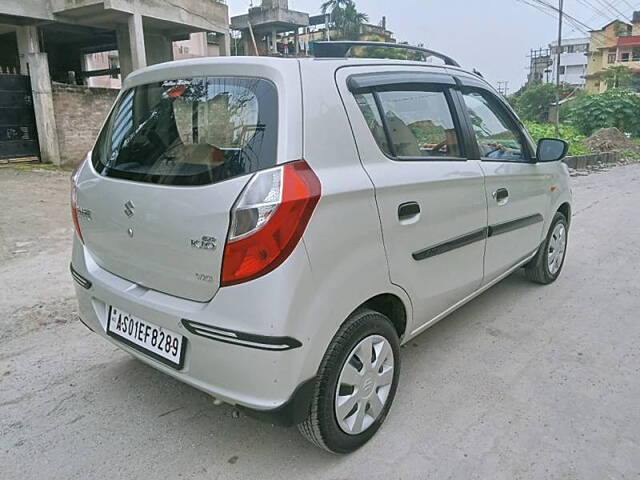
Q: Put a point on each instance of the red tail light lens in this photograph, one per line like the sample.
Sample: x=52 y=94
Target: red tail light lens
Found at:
x=268 y=220
x=74 y=200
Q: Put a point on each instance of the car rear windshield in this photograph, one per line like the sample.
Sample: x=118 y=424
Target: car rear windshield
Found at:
x=194 y=131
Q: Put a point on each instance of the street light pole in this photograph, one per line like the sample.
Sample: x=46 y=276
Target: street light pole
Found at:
x=558 y=58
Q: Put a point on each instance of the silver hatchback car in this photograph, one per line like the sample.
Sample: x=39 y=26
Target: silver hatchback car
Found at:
x=270 y=231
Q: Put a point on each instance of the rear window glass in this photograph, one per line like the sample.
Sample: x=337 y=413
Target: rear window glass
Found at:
x=190 y=132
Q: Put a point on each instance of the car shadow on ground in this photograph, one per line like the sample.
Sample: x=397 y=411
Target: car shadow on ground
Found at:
x=159 y=404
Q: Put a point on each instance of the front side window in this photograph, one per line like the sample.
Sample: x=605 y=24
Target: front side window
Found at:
x=418 y=123
x=190 y=132
x=497 y=138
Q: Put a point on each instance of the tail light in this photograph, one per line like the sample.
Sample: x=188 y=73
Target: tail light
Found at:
x=268 y=220
x=74 y=199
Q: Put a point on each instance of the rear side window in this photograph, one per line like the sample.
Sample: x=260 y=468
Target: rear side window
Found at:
x=368 y=107
x=418 y=123
x=190 y=132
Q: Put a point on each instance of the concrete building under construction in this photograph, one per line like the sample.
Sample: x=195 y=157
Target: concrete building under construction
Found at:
x=44 y=44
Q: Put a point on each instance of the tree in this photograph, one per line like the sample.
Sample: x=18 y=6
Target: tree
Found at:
x=533 y=103
x=344 y=17
x=331 y=5
x=617 y=107
x=351 y=21
x=618 y=76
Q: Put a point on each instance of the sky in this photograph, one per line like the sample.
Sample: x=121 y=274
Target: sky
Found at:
x=494 y=36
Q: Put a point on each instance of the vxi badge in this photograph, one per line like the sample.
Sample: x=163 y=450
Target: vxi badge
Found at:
x=205 y=243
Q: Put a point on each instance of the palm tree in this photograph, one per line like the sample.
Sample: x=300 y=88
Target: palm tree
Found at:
x=331 y=5
x=345 y=17
x=351 y=21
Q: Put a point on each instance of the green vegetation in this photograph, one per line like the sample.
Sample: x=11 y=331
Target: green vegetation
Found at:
x=567 y=132
x=37 y=166
x=618 y=107
x=532 y=103
x=345 y=17
x=619 y=76
x=387 y=52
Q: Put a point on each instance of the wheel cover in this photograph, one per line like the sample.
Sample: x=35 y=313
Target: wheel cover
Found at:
x=557 y=248
x=364 y=384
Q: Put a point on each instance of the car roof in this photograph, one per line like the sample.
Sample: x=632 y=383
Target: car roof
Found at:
x=192 y=65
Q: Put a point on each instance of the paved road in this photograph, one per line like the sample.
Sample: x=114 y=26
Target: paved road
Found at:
x=524 y=382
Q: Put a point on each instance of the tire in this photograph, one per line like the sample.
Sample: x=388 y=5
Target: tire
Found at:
x=539 y=269
x=322 y=426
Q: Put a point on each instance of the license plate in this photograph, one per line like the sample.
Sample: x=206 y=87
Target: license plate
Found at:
x=159 y=343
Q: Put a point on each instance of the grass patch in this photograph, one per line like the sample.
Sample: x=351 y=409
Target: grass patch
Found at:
x=37 y=166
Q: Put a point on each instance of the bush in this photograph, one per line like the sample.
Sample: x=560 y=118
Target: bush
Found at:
x=533 y=103
x=568 y=133
x=617 y=107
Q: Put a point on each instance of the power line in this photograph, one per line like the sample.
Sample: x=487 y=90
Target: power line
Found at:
x=599 y=12
x=577 y=24
x=612 y=8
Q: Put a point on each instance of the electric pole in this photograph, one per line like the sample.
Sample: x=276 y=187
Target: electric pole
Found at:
x=558 y=58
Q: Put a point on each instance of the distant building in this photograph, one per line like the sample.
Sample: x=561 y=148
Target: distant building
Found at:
x=573 y=61
x=273 y=29
x=539 y=66
x=197 y=45
x=317 y=31
x=617 y=43
x=261 y=25
x=543 y=63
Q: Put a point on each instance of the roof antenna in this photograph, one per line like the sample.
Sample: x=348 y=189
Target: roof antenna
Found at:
x=475 y=70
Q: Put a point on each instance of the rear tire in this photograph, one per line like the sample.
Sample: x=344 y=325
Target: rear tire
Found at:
x=343 y=380
x=546 y=266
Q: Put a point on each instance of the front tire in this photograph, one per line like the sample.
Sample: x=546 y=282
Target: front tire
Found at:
x=356 y=384
x=546 y=266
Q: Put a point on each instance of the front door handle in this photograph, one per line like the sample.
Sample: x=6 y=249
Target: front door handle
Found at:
x=409 y=212
x=501 y=196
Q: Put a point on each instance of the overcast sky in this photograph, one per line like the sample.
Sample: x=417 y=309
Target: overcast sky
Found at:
x=493 y=36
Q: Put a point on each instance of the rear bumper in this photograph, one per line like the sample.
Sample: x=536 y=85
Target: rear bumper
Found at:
x=237 y=351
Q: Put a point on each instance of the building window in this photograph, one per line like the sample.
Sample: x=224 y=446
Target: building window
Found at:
x=625 y=57
x=612 y=58
x=636 y=54
x=563 y=70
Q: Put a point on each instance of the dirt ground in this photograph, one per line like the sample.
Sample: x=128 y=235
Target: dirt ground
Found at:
x=525 y=382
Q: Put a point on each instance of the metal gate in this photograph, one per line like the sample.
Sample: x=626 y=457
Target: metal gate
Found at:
x=18 y=136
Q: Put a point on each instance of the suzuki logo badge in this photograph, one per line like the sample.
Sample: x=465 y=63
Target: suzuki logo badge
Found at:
x=129 y=208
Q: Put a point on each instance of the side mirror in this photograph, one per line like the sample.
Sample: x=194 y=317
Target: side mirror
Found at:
x=551 y=149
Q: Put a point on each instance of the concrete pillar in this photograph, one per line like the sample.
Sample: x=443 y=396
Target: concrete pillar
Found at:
x=247 y=43
x=274 y=41
x=43 y=107
x=27 y=43
x=136 y=42
x=124 y=52
x=296 y=41
x=224 y=43
x=158 y=49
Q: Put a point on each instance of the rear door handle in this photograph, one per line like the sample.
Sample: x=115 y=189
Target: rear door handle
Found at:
x=409 y=212
x=501 y=196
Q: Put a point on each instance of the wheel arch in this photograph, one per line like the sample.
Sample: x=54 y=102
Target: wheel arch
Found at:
x=391 y=306
x=565 y=209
